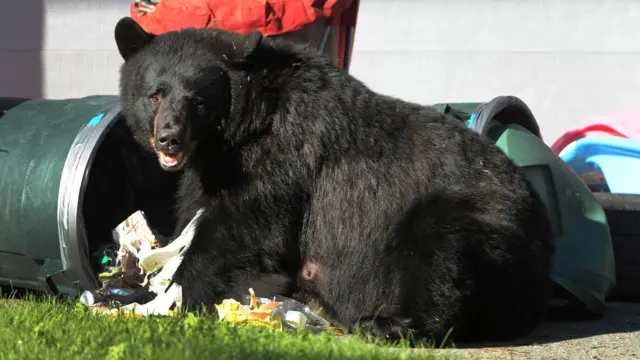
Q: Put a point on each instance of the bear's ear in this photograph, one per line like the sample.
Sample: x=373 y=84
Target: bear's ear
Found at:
x=237 y=46
x=130 y=37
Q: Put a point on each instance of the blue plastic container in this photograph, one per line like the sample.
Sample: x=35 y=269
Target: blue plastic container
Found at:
x=617 y=158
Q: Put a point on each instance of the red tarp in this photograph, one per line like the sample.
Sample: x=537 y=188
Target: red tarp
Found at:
x=271 y=17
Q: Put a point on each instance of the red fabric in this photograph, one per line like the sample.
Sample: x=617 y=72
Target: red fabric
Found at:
x=271 y=17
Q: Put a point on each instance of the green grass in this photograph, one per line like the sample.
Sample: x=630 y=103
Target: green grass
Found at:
x=50 y=328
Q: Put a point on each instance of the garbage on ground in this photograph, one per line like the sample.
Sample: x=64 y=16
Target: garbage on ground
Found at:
x=279 y=313
x=114 y=296
x=136 y=282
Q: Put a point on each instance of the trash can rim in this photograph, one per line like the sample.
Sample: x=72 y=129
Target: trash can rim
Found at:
x=72 y=234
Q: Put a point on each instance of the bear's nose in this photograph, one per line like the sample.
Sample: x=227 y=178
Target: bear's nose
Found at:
x=169 y=140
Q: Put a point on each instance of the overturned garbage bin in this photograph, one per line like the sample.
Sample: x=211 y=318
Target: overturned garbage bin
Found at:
x=70 y=172
x=584 y=271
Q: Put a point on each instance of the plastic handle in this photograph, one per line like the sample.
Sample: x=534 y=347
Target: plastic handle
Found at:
x=577 y=134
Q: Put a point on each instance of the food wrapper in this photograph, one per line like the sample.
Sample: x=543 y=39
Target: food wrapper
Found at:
x=279 y=313
x=134 y=236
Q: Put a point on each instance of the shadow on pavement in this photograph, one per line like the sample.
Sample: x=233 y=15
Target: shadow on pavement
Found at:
x=619 y=317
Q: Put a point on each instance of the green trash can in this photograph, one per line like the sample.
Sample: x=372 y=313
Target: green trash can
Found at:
x=70 y=171
x=584 y=266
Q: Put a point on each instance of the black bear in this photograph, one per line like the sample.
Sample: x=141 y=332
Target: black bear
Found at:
x=390 y=215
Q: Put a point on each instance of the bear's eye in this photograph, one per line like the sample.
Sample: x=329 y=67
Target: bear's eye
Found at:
x=155 y=98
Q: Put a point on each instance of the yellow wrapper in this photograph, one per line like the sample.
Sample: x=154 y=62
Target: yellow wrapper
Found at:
x=233 y=312
x=227 y=306
x=254 y=318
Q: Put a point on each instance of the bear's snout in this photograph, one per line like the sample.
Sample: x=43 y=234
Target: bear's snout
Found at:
x=171 y=144
x=170 y=140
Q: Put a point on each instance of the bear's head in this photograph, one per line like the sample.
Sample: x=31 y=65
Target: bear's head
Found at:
x=177 y=88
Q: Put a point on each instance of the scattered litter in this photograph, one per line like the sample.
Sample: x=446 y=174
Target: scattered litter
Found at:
x=137 y=276
x=138 y=282
x=279 y=313
x=113 y=296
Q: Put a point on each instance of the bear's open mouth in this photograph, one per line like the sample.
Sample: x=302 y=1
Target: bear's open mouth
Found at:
x=171 y=161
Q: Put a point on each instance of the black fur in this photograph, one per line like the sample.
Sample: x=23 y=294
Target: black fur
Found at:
x=412 y=220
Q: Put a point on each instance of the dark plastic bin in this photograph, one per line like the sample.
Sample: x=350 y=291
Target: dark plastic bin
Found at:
x=70 y=171
x=584 y=267
x=623 y=215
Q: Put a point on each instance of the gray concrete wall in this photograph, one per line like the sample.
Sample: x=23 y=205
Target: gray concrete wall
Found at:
x=568 y=59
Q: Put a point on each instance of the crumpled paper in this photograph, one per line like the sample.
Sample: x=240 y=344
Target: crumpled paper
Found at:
x=143 y=265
